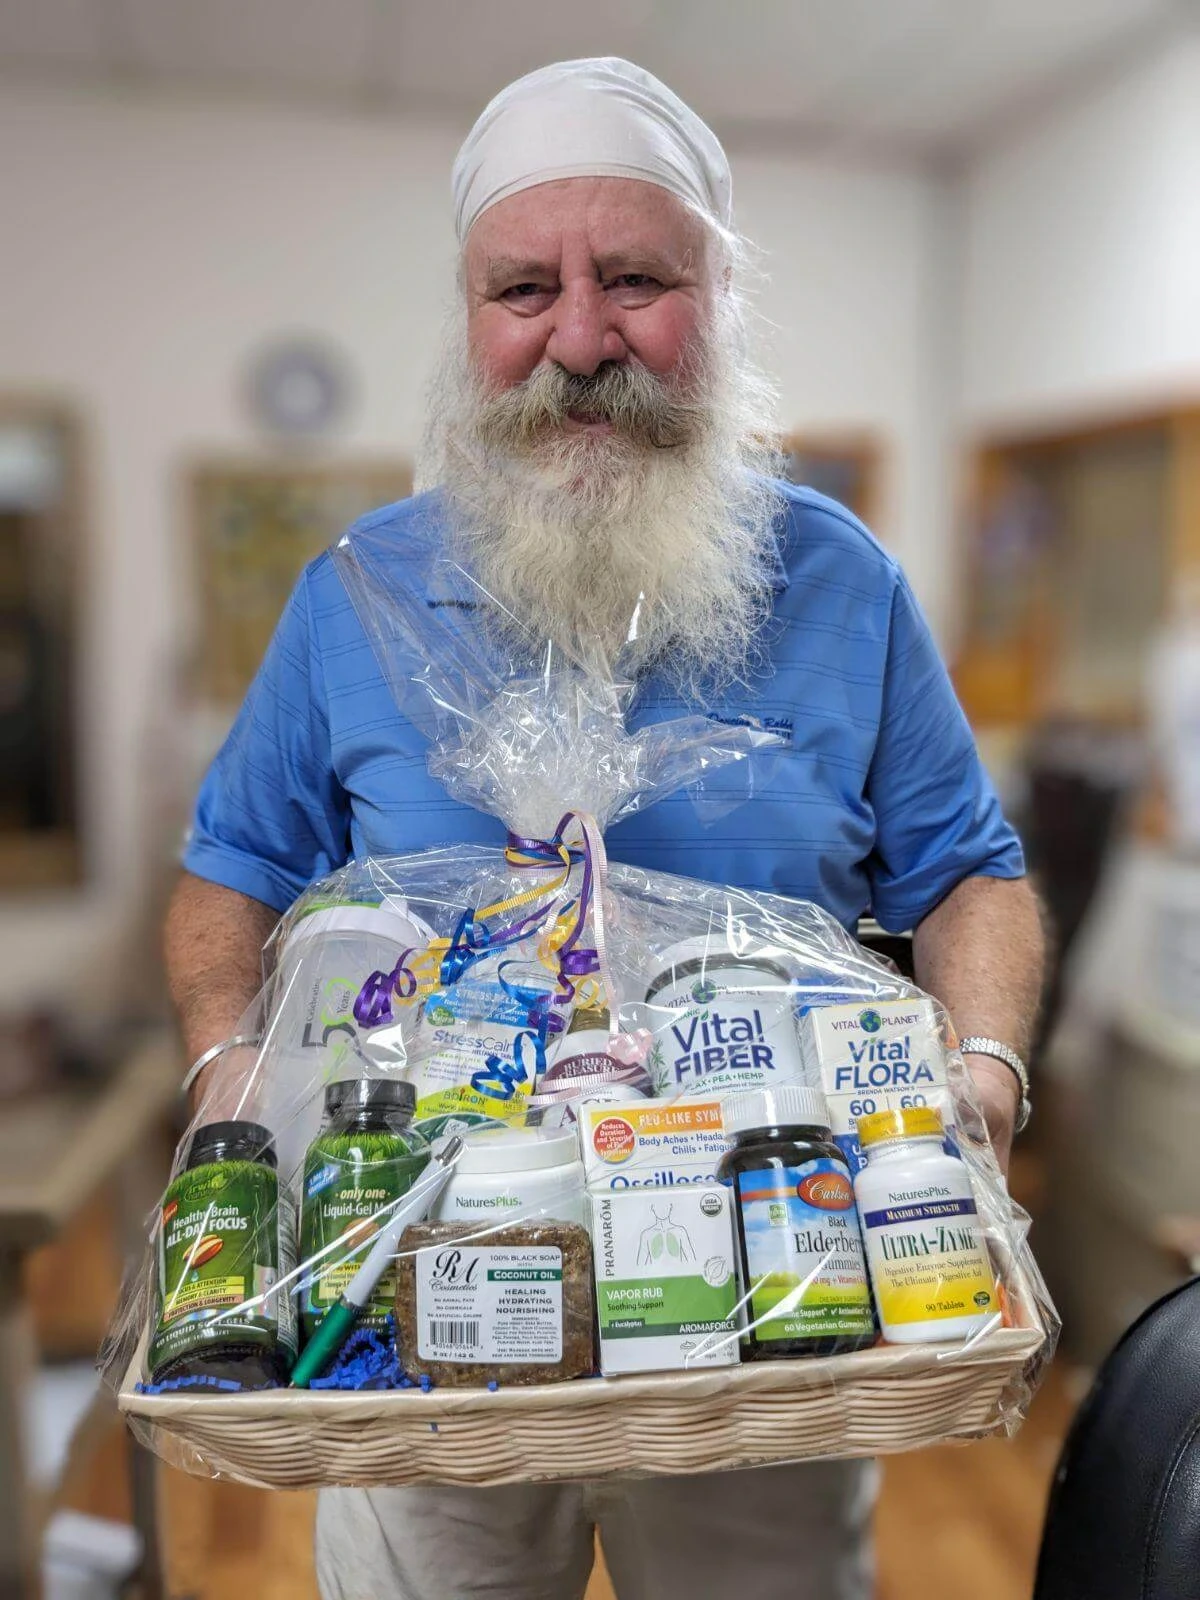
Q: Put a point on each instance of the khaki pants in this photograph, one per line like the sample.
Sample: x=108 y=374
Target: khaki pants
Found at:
x=771 y=1533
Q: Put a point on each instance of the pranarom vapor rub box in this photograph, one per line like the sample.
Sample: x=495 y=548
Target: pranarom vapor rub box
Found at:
x=666 y=1290
x=877 y=1056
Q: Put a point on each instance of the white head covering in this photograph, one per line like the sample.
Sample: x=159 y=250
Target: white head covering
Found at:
x=602 y=118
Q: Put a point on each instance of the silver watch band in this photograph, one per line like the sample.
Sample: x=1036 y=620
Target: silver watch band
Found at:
x=980 y=1045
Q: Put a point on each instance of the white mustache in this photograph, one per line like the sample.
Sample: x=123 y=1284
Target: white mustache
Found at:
x=638 y=404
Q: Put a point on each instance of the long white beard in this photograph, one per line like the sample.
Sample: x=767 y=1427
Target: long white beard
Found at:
x=648 y=545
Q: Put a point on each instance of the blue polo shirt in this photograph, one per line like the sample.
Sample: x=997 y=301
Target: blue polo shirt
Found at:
x=876 y=803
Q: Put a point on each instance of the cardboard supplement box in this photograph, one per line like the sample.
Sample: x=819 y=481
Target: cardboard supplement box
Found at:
x=875 y=1056
x=666 y=1293
x=651 y=1143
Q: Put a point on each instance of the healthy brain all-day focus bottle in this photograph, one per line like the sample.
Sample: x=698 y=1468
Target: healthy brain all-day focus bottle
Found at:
x=226 y=1240
x=800 y=1257
x=365 y=1157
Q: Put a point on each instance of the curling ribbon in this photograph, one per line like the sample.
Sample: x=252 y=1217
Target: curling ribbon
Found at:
x=444 y=961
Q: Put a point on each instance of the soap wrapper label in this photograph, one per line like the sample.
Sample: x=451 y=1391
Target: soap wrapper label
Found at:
x=881 y=1056
x=489 y=1305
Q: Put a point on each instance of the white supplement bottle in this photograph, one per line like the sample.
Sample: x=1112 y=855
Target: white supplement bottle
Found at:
x=314 y=1037
x=929 y=1265
x=721 y=1021
x=508 y=1174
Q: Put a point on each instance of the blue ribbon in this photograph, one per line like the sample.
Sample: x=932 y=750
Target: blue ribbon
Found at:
x=499 y=1078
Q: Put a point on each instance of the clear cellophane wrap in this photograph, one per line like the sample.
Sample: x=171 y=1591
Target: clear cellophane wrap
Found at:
x=460 y=971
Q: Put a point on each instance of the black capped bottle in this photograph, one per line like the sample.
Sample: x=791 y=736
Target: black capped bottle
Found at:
x=365 y=1157
x=800 y=1255
x=226 y=1240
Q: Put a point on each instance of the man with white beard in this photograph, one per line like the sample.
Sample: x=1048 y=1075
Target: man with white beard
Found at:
x=597 y=460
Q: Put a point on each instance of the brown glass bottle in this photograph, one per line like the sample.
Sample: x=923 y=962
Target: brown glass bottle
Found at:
x=801 y=1267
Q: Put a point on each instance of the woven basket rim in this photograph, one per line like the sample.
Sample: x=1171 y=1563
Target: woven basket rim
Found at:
x=1006 y=1347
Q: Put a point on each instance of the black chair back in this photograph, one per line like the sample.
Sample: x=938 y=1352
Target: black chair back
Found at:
x=1123 y=1521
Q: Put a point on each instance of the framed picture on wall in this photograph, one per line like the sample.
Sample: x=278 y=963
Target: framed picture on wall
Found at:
x=847 y=469
x=254 y=527
x=1072 y=545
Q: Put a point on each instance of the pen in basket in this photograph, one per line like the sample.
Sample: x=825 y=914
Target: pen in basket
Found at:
x=335 y=1325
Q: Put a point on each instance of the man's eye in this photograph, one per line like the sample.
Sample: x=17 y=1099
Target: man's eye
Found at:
x=524 y=291
x=635 y=280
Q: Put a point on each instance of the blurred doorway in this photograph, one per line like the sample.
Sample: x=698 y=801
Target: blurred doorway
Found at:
x=40 y=587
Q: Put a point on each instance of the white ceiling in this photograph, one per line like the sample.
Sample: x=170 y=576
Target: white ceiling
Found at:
x=921 y=76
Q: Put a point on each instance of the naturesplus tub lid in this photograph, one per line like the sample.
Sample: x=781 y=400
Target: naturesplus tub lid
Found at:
x=517 y=1150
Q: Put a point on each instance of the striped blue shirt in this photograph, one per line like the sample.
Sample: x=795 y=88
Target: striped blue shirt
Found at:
x=877 y=803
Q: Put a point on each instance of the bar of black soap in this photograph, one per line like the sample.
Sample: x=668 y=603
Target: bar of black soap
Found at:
x=513 y=1305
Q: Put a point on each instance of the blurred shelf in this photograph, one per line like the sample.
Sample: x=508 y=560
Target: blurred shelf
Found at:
x=57 y=1148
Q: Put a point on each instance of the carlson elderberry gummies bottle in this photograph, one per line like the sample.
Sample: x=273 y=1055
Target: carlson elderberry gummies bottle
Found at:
x=800 y=1253
x=226 y=1238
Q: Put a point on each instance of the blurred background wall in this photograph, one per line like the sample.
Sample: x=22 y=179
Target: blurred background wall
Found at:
x=1081 y=246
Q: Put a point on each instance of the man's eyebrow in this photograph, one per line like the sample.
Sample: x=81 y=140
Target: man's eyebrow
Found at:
x=638 y=260
x=504 y=271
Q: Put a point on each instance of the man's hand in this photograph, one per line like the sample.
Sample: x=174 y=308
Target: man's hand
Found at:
x=999 y=1096
x=981 y=953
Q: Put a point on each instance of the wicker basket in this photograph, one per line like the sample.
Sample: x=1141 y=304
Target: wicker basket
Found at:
x=869 y=1403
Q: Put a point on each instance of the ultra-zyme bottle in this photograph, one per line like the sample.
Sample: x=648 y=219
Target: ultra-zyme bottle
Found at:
x=929 y=1264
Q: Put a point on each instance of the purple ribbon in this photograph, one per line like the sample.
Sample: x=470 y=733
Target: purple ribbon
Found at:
x=473 y=940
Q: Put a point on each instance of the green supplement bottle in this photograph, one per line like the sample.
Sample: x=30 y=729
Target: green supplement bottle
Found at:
x=366 y=1156
x=226 y=1238
x=801 y=1267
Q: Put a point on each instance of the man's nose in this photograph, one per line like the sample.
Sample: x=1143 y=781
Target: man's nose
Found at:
x=584 y=333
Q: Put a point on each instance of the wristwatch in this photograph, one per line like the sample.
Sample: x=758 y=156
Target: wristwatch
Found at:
x=978 y=1045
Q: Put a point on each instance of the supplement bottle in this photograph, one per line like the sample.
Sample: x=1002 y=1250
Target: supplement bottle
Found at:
x=365 y=1157
x=330 y=953
x=226 y=1237
x=929 y=1264
x=721 y=1021
x=800 y=1255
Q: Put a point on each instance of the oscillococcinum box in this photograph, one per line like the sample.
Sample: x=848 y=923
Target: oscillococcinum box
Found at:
x=651 y=1143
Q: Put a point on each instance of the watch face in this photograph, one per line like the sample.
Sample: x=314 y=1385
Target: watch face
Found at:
x=298 y=387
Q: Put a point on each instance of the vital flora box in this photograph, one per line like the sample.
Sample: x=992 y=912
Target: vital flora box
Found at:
x=874 y=1056
x=666 y=1292
x=651 y=1143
